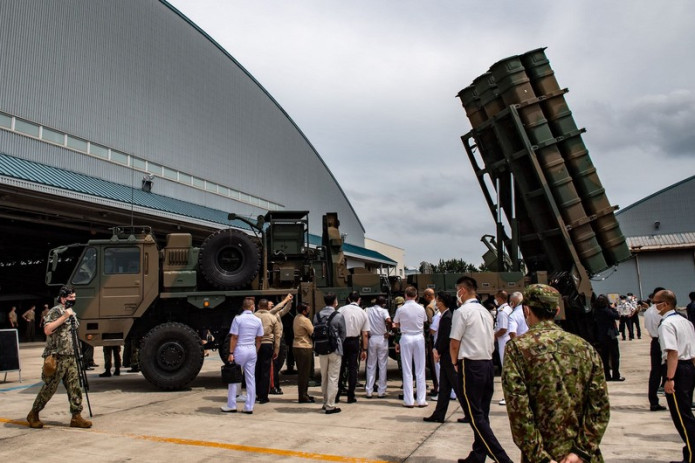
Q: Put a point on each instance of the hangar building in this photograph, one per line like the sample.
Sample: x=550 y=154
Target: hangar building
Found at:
x=660 y=231
x=127 y=112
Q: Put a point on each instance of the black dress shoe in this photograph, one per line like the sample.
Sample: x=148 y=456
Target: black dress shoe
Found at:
x=332 y=411
x=351 y=400
x=106 y=374
x=657 y=408
x=248 y=412
x=309 y=400
x=275 y=391
x=465 y=419
x=433 y=419
x=263 y=401
x=618 y=379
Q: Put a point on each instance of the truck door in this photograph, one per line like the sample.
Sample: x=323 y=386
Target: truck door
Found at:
x=122 y=281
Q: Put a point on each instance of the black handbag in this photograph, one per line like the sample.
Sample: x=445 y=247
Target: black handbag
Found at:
x=231 y=373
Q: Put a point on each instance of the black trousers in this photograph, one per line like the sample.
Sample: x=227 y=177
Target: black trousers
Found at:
x=679 y=405
x=476 y=380
x=348 y=367
x=635 y=324
x=610 y=356
x=430 y=362
x=447 y=382
x=263 y=366
x=656 y=371
x=626 y=321
x=277 y=364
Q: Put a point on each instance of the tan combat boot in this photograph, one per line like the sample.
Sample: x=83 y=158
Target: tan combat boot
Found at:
x=78 y=422
x=33 y=419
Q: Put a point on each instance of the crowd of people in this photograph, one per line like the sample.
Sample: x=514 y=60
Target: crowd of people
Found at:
x=544 y=368
x=28 y=319
x=554 y=382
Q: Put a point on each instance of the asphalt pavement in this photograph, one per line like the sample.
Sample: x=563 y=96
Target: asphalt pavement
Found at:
x=133 y=421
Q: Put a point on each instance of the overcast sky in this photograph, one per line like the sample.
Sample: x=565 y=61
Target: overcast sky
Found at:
x=372 y=85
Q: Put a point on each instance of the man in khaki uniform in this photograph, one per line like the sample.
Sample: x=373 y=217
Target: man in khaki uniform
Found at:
x=270 y=347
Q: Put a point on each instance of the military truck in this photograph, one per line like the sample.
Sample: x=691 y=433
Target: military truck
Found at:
x=164 y=299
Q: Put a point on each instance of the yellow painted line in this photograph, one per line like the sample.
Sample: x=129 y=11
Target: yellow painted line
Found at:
x=222 y=445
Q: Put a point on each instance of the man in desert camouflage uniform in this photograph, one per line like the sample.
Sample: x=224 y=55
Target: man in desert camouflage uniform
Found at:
x=59 y=343
x=555 y=388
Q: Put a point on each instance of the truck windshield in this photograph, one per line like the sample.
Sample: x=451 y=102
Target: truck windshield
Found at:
x=87 y=267
x=61 y=263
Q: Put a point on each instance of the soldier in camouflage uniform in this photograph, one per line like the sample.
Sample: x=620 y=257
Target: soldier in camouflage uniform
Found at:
x=59 y=343
x=553 y=382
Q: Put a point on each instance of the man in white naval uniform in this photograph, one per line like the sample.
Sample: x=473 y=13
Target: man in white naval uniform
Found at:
x=378 y=349
x=410 y=318
x=247 y=333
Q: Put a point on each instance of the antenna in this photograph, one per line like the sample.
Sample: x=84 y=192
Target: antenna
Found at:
x=132 y=195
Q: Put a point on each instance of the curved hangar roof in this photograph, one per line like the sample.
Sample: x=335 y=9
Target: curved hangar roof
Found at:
x=116 y=90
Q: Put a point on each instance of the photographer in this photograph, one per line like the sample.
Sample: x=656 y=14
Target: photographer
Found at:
x=59 y=362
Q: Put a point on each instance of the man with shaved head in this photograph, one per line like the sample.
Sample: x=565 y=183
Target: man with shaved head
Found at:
x=517 y=321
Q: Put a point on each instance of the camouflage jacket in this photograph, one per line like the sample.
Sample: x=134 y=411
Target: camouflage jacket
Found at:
x=556 y=394
x=60 y=342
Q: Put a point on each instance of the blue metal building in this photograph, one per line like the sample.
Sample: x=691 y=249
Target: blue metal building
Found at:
x=660 y=231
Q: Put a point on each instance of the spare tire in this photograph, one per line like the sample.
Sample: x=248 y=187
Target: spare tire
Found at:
x=229 y=259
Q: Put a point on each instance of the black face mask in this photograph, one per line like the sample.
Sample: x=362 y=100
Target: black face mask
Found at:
x=69 y=303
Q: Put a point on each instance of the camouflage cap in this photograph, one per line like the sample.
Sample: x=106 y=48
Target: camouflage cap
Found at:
x=543 y=298
x=398 y=300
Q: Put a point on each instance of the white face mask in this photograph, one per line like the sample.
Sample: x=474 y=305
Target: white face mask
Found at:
x=459 y=301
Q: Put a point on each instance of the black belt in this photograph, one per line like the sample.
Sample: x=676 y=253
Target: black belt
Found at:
x=686 y=361
x=352 y=337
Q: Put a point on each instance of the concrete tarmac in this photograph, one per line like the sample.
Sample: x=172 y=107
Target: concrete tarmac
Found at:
x=133 y=421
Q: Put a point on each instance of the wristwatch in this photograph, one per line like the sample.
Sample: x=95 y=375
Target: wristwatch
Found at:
x=669 y=379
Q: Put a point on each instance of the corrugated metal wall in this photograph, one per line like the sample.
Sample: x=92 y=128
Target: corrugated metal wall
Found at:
x=135 y=76
x=672 y=207
x=674 y=210
x=674 y=270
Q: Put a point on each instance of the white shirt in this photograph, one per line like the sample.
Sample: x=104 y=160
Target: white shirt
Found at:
x=472 y=325
x=624 y=308
x=677 y=333
x=377 y=316
x=247 y=326
x=652 y=318
x=411 y=318
x=503 y=313
x=356 y=319
x=517 y=321
x=434 y=326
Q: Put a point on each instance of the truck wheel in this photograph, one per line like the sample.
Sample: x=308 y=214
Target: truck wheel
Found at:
x=171 y=355
x=229 y=259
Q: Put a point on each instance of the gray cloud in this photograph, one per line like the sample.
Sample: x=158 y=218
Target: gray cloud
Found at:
x=372 y=85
